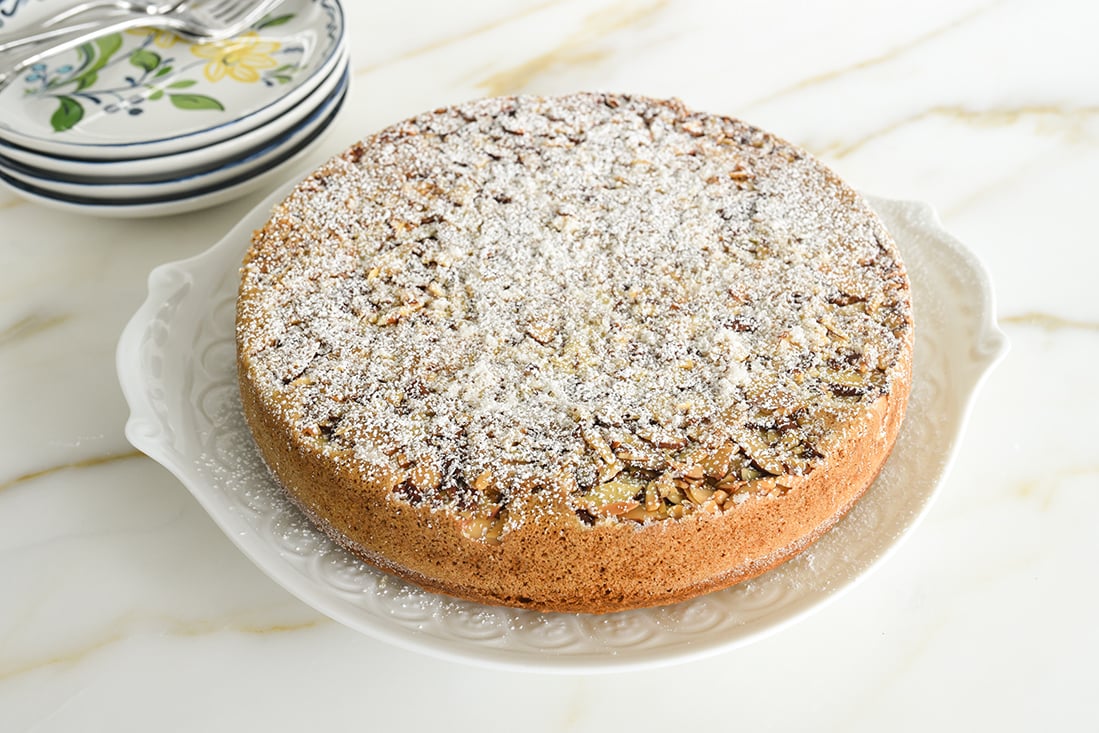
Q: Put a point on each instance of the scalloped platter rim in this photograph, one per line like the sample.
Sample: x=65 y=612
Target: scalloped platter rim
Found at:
x=176 y=364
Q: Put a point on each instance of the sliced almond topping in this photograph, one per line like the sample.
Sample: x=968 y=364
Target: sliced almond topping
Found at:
x=663 y=439
x=425 y=475
x=642 y=459
x=730 y=483
x=716 y=464
x=623 y=488
x=608 y=471
x=565 y=481
x=710 y=507
x=654 y=365
x=693 y=127
x=541 y=332
x=699 y=494
x=833 y=329
x=653 y=499
x=620 y=508
x=483 y=481
x=641 y=514
x=764 y=486
x=633 y=451
x=598 y=444
x=749 y=474
x=663 y=485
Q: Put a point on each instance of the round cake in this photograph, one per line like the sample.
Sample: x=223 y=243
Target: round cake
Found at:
x=584 y=353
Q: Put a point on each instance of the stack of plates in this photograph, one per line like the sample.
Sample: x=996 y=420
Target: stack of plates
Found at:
x=144 y=123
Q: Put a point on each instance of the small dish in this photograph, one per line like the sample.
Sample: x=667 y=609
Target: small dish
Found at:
x=108 y=191
x=144 y=93
x=176 y=364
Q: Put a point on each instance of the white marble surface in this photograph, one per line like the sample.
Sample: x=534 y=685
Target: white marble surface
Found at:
x=124 y=608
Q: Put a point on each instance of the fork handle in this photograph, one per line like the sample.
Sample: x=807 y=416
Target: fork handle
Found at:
x=149 y=7
x=42 y=36
x=16 y=63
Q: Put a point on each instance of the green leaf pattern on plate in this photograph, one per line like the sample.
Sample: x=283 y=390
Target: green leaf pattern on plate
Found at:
x=68 y=113
x=145 y=59
x=270 y=22
x=195 y=101
x=154 y=76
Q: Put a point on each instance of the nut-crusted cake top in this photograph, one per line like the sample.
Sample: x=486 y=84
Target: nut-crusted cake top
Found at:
x=646 y=308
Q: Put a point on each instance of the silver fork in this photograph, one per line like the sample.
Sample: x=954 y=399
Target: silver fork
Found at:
x=144 y=6
x=200 y=21
x=50 y=29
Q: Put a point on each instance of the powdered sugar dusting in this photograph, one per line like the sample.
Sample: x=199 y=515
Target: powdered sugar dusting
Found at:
x=650 y=310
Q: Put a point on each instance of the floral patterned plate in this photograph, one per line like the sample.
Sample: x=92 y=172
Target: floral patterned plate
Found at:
x=147 y=92
x=218 y=155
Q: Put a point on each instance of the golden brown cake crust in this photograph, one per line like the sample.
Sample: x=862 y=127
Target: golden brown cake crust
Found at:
x=712 y=374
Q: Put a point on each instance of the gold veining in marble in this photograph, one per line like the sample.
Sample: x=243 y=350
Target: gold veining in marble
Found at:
x=890 y=55
x=82 y=463
x=1049 y=322
x=1045 y=488
x=578 y=49
x=1066 y=117
x=1029 y=489
x=68 y=658
x=173 y=628
x=204 y=628
x=30 y=325
x=458 y=38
